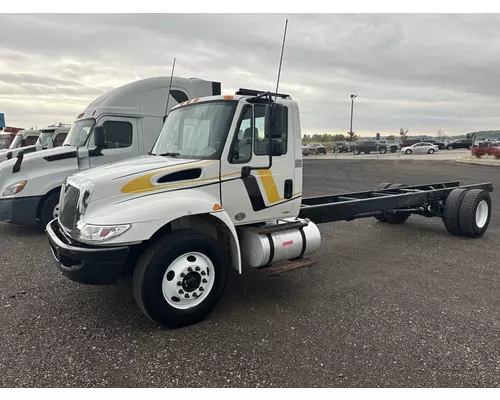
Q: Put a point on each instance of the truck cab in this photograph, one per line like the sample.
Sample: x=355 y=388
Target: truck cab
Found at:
x=48 y=137
x=131 y=116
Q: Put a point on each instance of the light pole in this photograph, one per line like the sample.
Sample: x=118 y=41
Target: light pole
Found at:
x=353 y=96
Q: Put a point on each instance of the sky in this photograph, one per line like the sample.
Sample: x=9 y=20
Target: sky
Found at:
x=423 y=72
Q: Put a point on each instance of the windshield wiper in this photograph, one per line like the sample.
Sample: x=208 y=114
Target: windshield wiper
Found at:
x=175 y=155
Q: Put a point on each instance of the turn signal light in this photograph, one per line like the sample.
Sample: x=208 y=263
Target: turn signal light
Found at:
x=216 y=207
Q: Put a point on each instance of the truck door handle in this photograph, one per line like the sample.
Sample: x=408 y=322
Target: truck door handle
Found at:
x=288 y=188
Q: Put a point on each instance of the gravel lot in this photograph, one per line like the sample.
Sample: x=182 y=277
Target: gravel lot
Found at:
x=391 y=306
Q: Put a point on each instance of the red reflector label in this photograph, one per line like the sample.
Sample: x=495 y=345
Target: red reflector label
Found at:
x=287 y=243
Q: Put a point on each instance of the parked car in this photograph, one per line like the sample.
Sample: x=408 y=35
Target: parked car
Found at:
x=340 y=147
x=305 y=150
x=367 y=146
x=459 y=144
x=317 y=148
x=440 y=145
x=420 y=148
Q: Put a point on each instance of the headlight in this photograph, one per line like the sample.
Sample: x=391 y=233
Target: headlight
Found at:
x=14 y=188
x=100 y=233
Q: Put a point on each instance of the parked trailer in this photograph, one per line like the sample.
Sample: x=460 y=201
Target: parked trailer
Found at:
x=222 y=187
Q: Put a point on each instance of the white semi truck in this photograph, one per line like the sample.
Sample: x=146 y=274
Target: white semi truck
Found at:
x=221 y=188
x=131 y=116
x=45 y=138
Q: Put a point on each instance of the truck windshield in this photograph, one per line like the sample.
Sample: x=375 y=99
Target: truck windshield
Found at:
x=196 y=131
x=44 y=137
x=79 y=133
x=4 y=143
x=16 y=142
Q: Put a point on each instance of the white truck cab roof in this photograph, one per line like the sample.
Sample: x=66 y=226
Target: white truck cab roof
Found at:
x=146 y=97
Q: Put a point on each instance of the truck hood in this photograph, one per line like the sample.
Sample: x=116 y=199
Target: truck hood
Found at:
x=136 y=175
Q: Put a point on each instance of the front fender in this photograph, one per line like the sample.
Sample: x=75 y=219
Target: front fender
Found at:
x=149 y=214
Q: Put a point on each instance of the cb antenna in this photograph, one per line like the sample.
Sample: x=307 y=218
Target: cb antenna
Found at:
x=169 y=87
x=281 y=60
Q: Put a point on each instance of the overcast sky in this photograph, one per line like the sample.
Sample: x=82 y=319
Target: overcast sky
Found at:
x=421 y=72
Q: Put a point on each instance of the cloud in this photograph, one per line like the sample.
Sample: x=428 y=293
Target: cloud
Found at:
x=421 y=71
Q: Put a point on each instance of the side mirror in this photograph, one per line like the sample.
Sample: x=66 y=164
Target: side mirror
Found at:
x=274 y=120
x=99 y=139
x=277 y=147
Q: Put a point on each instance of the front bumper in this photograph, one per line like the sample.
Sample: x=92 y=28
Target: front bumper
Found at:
x=20 y=210
x=83 y=263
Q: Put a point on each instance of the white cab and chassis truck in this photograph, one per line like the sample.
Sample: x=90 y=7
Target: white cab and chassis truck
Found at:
x=222 y=188
x=131 y=115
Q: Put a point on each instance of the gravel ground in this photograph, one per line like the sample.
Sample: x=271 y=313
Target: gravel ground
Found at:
x=386 y=306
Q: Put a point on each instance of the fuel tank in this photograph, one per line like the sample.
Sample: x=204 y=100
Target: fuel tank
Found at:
x=260 y=249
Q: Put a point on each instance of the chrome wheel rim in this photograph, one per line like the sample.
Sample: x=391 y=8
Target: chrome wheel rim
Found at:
x=482 y=211
x=55 y=211
x=188 y=280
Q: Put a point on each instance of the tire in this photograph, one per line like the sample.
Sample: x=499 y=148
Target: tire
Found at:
x=400 y=217
x=382 y=151
x=50 y=208
x=172 y=253
x=408 y=151
x=450 y=147
x=469 y=148
x=451 y=211
x=356 y=152
x=475 y=213
x=431 y=151
x=333 y=150
x=367 y=152
x=381 y=186
x=340 y=150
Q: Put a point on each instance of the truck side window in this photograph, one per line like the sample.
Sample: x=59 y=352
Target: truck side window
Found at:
x=260 y=141
x=31 y=140
x=242 y=145
x=59 y=139
x=118 y=134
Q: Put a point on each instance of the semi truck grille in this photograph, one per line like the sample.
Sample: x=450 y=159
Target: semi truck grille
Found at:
x=68 y=208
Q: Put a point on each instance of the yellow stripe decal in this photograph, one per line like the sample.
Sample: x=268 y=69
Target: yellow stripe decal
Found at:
x=143 y=183
x=270 y=188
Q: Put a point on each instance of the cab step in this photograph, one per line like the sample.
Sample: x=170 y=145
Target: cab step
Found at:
x=281 y=268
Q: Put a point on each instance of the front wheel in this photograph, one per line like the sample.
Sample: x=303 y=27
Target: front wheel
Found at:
x=356 y=151
x=469 y=148
x=408 y=151
x=383 y=151
x=181 y=278
x=431 y=151
x=50 y=209
x=450 y=147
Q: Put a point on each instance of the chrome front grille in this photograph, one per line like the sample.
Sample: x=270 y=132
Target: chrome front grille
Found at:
x=68 y=207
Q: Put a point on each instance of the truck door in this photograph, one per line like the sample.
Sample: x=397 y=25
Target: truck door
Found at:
x=266 y=193
x=121 y=140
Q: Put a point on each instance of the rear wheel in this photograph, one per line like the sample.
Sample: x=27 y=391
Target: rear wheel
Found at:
x=399 y=217
x=451 y=211
x=383 y=151
x=475 y=213
x=181 y=278
x=356 y=151
x=50 y=209
x=450 y=147
x=469 y=148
